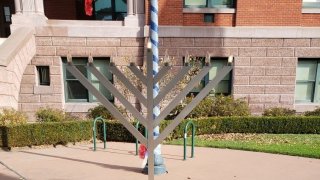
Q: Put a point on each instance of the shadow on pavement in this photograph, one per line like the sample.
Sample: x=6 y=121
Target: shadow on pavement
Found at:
x=116 y=167
x=5 y=177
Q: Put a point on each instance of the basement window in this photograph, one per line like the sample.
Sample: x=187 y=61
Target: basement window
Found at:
x=43 y=75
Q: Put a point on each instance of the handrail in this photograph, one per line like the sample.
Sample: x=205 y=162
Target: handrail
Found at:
x=185 y=140
x=145 y=135
x=95 y=133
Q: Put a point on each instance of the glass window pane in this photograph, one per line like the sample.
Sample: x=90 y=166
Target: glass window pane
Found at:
x=218 y=65
x=306 y=70
x=222 y=88
x=196 y=3
x=103 y=9
x=103 y=90
x=76 y=90
x=121 y=5
x=304 y=91
x=81 y=68
x=311 y=4
x=220 y=3
x=43 y=75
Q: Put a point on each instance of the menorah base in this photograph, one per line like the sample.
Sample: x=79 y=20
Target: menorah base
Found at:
x=159 y=167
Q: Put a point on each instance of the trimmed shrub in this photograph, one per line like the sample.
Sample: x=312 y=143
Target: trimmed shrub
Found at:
x=73 y=131
x=99 y=111
x=279 y=111
x=53 y=115
x=315 y=112
x=11 y=117
x=214 y=106
x=228 y=106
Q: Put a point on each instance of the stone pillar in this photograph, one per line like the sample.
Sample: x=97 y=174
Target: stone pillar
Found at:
x=17 y=4
x=32 y=7
x=29 y=13
x=130 y=7
x=135 y=14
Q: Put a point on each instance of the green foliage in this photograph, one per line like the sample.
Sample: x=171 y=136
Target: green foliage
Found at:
x=315 y=112
x=214 y=106
x=99 y=111
x=279 y=111
x=11 y=117
x=53 y=115
x=73 y=131
x=35 y=134
x=228 y=106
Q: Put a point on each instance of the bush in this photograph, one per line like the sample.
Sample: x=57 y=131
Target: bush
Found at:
x=315 y=112
x=53 y=115
x=228 y=106
x=73 y=131
x=214 y=106
x=279 y=111
x=99 y=111
x=104 y=113
x=10 y=117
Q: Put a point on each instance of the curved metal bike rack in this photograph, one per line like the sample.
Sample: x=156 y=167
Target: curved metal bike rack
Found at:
x=185 y=140
x=95 y=132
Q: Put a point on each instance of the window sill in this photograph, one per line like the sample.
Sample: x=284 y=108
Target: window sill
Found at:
x=310 y=10
x=79 y=107
x=302 y=107
x=210 y=10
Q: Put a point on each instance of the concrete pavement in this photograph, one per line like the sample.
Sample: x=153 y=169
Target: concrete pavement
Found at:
x=118 y=162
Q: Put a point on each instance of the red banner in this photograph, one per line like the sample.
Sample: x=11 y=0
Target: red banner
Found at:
x=88 y=7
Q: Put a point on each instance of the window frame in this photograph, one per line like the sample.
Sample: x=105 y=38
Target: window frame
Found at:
x=83 y=62
x=40 y=77
x=316 y=82
x=206 y=79
x=207 y=5
x=310 y=5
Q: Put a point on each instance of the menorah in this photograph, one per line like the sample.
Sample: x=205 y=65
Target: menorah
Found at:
x=148 y=120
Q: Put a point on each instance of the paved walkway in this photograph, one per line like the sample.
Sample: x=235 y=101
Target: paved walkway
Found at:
x=118 y=162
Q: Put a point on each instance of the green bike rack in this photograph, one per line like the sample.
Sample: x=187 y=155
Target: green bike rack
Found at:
x=145 y=134
x=185 y=140
x=95 y=133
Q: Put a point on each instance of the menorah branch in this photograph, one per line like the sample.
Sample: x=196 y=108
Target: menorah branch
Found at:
x=107 y=84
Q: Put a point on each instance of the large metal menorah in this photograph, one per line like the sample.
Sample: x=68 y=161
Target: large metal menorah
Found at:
x=149 y=121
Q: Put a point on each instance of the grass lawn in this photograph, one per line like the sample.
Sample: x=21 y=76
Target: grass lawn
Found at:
x=305 y=145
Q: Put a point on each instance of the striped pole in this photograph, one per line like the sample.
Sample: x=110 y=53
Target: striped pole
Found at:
x=155 y=59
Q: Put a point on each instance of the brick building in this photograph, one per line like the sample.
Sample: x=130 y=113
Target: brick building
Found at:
x=275 y=44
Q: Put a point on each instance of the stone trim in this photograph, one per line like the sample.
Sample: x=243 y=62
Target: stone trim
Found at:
x=10 y=48
x=237 y=32
x=310 y=10
x=209 y=10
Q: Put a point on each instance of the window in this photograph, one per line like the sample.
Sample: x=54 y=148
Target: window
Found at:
x=311 y=3
x=224 y=87
x=43 y=75
x=209 y=3
x=107 y=10
x=7 y=14
x=307 y=80
x=75 y=91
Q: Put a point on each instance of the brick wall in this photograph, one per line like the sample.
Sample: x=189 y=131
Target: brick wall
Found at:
x=265 y=69
x=49 y=51
x=310 y=20
x=248 y=13
x=171 y=13
x=268 y=13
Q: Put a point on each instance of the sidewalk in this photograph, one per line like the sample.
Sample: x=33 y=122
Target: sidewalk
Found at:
x=118 y=162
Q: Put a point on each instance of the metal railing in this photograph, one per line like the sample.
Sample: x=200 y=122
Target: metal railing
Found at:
x=137 y=141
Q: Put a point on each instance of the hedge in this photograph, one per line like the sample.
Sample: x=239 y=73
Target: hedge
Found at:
x=74 y=131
